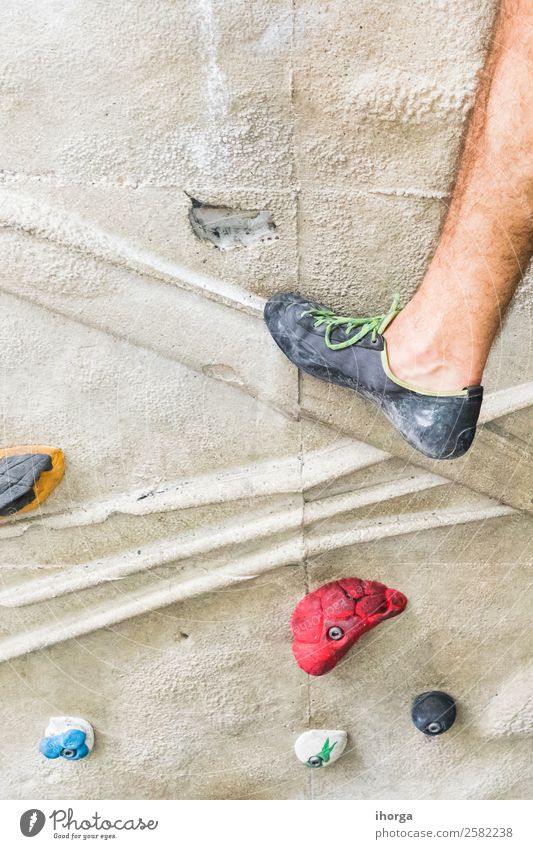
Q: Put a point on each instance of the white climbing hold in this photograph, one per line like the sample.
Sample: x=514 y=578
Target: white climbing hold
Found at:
x=59 y=724
x=318 y=748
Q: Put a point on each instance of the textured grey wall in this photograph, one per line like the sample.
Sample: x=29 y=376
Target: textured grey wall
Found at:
x=141 y=352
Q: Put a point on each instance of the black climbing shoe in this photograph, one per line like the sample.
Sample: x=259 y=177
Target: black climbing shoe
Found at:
x=353 y=353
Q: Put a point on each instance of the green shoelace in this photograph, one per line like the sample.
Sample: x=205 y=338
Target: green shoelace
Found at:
x=349 y=323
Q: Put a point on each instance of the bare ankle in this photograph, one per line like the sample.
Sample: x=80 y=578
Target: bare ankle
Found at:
x=421 y=359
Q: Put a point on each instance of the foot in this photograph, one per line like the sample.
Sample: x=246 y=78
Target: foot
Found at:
x=352 y=352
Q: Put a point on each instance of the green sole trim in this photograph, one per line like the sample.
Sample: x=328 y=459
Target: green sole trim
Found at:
x=417 y=389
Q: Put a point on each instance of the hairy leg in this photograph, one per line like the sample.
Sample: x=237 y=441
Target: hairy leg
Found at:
x=441 y=340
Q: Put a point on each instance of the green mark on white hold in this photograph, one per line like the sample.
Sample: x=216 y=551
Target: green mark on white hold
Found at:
x=323 y=755
x=326 y=750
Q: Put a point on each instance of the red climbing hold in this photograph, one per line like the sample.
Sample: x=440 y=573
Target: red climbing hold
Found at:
x=327 y=622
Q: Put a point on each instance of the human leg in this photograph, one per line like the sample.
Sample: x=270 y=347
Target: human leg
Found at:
x=422 y=366
x=442 y=338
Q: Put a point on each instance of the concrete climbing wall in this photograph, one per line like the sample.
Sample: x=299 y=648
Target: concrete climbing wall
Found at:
x=207 y=485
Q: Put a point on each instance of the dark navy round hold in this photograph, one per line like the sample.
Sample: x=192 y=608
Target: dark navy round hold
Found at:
x=433 y=712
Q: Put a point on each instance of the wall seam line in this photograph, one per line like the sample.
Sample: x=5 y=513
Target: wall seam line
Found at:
x=296 y=176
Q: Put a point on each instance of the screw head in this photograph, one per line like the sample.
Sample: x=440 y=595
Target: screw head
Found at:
x=335 y=633
x=68 y=753
x=433 y=712
x=315 y=761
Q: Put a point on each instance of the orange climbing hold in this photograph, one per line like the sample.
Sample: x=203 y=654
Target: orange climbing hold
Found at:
x=28 y=474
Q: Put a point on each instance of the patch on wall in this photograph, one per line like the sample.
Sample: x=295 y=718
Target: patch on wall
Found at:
x=227 y=228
